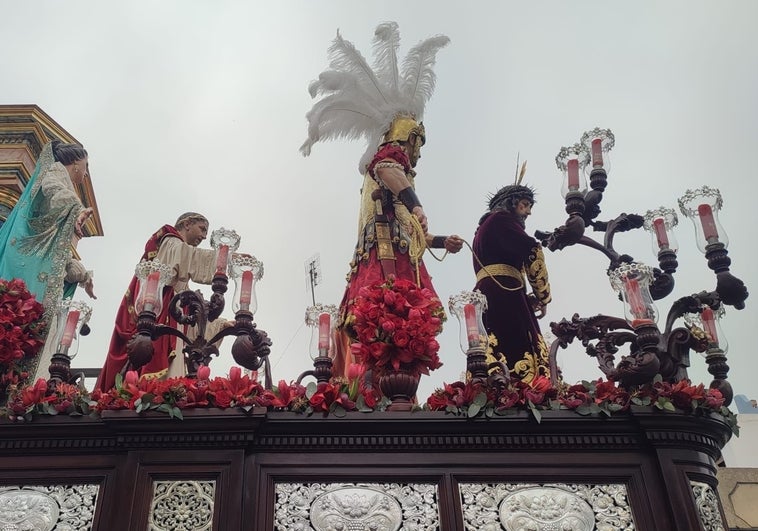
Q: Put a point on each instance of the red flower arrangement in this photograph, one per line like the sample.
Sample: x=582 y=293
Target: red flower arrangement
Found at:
x=499 y=396
x=395 y=324
x=21 y=328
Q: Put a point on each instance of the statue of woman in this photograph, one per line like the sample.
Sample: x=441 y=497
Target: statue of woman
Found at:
x=37 y=239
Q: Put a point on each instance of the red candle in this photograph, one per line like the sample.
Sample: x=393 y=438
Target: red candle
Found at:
x=222 y=257
x=151 y=291
x=659 y=226
x=323 y=331
x=597 y=152
x=573 y=175
x=246 y=291
x=472 y=326
x=636 y=302
x=709 y=324
x=710 y=233
x=69 y=330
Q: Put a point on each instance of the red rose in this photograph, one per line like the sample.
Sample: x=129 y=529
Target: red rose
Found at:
x=401 y=338
x=417 y=347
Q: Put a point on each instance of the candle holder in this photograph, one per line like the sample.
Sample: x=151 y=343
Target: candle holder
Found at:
x=572 y=161
x=72 y=317
x=322 y=319
x=598 y=143
x=660 y=223
x=245 y=271
x=468 y=307
x=225 y=242
x=153 y=277
x=706 y=324
x=652 y=351
x=702 y=207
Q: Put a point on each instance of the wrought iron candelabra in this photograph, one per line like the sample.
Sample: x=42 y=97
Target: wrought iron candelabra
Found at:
x=251 y=347
x=652 y=351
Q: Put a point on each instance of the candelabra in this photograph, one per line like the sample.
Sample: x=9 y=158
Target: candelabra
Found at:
x=251 y=347
x=72 y=320
x=322 y=319
x=652 y=351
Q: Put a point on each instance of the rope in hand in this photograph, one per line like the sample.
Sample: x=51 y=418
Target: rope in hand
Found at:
x=478 y=261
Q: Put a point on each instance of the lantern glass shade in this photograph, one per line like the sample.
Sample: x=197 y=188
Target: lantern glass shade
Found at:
x=708 y=321
x=660 y=223
x=225 y=242
x=468 y=307
x=702 y=207
x=246 y=271
x=153 y=277
x=322 y=320
x=632 y=281
x=572 y=162
x=72 y=315
x=598 y=143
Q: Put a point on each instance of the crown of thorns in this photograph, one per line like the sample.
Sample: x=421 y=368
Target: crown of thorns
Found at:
x=510 y=192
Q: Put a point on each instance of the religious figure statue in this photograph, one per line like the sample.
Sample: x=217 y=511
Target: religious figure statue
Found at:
x=386 y=108
x=176 y=246
x=505 y=259
x=38 y=238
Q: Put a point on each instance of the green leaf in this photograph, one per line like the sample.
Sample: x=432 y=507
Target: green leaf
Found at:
x=310 y=390
x=247 y=409
x=338 y=410
x=473 y=410
x=668 y=406
x=555 y=405
x=537 y=414
x=480 y=400
x=595 y=409
x=177 y=413
x=657 y=378
x=613 y=407
x=584 y=410
x=119 y=380
x=164 y=408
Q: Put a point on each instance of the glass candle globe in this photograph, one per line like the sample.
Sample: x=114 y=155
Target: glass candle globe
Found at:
x=246 y=271
x=468 y=307
x=632 y=281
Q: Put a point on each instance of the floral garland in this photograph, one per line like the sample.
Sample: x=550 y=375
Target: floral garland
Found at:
x=499 y=396
x=21 y=328
x=395 y=324
x=495 y=397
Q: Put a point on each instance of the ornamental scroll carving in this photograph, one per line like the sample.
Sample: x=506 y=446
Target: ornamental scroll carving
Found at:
x=182 y=506
x=47 y=508
x=498 y=507
x=708 y=507
x=356 y=507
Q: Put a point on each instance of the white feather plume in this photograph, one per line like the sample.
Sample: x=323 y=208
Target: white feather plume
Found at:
x=357 y=100
x=386 y=44
x=418 y=72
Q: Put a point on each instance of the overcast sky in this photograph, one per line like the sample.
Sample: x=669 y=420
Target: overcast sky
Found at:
x=188 y=105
